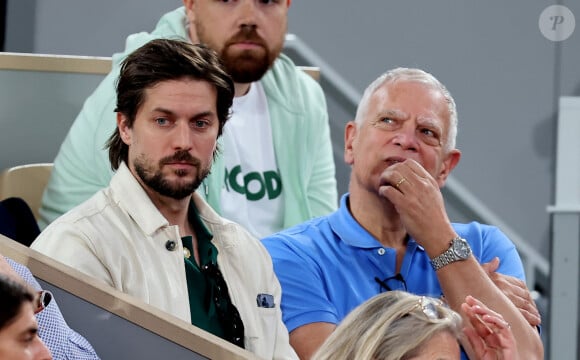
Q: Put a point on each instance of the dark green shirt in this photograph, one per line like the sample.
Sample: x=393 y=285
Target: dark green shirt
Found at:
x=203 y=310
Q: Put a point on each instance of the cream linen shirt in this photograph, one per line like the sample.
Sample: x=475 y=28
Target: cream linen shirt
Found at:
x=119 y=237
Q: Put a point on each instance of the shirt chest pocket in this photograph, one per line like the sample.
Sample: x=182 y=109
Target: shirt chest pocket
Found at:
x=261 y=337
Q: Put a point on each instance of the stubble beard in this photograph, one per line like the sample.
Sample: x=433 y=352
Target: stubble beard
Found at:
x=155 y=180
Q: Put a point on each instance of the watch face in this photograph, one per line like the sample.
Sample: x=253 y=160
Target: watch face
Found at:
x=461 y=248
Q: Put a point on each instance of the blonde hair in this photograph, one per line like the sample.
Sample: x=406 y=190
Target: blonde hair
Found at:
x=390 y=326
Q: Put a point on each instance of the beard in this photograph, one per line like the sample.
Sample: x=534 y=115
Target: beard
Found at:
x=154 y=179
x=248 y=65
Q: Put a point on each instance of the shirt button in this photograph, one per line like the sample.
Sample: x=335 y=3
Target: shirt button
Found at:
x=170 y=245
x=381 y=251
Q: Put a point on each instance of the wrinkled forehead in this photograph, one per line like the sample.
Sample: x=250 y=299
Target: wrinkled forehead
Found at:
x=407 y=94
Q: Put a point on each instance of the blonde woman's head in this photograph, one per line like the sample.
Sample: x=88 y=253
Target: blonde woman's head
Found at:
x=394 y=325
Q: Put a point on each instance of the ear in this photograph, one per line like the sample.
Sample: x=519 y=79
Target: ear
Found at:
x=124 y=129
x=289 y=2
x=188 y=4
x=350 y=132
x=448 y=165
x=190 y=14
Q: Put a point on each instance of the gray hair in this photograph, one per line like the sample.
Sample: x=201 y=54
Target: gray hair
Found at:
x=389 y=326
x=411 y=75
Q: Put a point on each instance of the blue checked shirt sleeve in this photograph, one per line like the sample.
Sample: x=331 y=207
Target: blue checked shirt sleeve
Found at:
x=62 y=341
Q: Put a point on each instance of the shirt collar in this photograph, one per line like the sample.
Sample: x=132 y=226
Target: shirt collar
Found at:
x=352 y=233
x=348 y=229
x=193 y=216
x=130 y=195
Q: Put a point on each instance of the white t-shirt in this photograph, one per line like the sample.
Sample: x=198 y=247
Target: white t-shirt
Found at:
x=252 y=194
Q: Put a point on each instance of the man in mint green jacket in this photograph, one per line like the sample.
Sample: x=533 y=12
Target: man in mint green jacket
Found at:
x=275 y=166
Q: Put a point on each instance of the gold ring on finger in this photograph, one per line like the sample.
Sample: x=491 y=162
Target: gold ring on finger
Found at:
x=400 y=182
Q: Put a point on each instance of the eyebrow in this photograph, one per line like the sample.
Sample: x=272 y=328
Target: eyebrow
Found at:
x=33 y=330
x=431 y=122
x=421 y=120
x=393 y=112
x=196 y=116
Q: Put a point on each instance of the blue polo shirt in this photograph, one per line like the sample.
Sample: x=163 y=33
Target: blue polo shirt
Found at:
x=327 y=266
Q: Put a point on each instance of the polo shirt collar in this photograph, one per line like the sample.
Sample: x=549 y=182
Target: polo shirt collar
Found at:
x=193 y=216
x=348 y=229
x=352 y=233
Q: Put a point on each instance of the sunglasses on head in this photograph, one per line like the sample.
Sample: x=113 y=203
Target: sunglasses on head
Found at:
x=41 y=300
x=430 y=308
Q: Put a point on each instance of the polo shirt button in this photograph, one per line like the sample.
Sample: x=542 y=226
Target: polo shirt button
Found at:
x=381 y=251
x=170 y=245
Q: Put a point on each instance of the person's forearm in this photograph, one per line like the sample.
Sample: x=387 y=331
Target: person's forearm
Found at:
x=464 y=278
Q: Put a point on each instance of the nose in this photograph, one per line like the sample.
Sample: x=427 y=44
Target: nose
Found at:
x=182 y=136
x=406 y=139
x=42 y=352
x=247 y=13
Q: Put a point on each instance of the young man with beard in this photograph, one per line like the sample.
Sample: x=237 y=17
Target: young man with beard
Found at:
x=275 y=168
x=148 y=233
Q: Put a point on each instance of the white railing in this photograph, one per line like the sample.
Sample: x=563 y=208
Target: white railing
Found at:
x=565 y=284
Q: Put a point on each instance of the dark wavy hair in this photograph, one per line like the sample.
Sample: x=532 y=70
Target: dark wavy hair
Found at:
x=12 y=296
x=163 y=60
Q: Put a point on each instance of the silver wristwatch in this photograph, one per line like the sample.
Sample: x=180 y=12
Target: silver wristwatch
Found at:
x=459 y=250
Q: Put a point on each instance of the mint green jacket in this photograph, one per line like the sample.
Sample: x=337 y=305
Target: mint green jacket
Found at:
x=300 y=133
